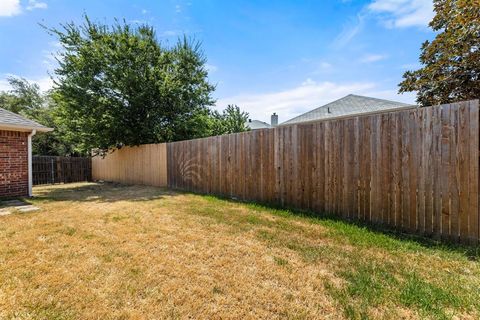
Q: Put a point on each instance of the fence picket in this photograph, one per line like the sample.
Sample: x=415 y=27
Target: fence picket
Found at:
x=50 y=169
x=416 y=170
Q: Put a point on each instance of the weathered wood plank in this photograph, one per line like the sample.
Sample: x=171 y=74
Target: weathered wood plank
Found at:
x=415 y=170
x=454 y=173
x=405 y=181
x=412 y=169
x=463 y=154
x=437 y=171
x=474 y=176
x=446 y=170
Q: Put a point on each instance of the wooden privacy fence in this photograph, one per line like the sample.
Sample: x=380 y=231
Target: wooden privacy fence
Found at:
x=415 y=170
x=145 y=164
x=50 y=170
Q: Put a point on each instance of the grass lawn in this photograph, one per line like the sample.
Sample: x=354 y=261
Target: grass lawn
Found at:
x=107 y=251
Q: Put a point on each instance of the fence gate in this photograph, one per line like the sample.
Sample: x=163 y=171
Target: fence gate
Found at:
x=50 y=170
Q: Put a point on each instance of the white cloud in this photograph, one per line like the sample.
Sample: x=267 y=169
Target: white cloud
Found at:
x=324 y=65
x=211 y=68
x=49 y=59
x=369 y=58
x=4 y=86
x=49 y=56
x=178 y=8
x=45 y=83
x=292 y=102
x=137 y=21
x=392 y=13
x=9 y=8
x=314 y=65
x=350 y=30
x=410 y=66
x=403 y=13
x=171 y=33
x=34 y=4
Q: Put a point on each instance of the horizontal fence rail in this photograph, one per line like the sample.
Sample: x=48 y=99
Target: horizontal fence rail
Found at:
x=414 y=170
x=51 y=170
x=145 y=164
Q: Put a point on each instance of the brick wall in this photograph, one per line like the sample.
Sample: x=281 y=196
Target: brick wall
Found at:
x=13 y=163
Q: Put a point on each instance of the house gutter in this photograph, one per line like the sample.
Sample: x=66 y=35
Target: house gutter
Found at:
x=22 y=128
x=30 y=175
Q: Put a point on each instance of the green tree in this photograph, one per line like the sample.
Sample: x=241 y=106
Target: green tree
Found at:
x=451 y=62
x=52 y=143
x=26 y=99
x=231 y=120
x=119 y=86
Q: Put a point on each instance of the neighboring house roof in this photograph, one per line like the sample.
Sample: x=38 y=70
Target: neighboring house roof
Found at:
x=348 y=106
x=15 y=122
x=257 y=124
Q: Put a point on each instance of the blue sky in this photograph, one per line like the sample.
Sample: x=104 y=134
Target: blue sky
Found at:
x=266 y=56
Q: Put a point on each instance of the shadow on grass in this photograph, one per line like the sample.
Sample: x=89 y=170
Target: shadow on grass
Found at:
x=100 y=192
x=359 y=232
x=6 y=202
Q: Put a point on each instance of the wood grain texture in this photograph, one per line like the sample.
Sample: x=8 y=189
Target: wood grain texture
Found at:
x=415 y=170
x=144 y=165
x=51 y=169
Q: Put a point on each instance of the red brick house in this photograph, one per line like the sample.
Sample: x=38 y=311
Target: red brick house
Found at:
x=16 y=134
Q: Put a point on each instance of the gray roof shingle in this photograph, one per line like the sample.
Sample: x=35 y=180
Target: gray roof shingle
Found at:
x=348 y=105
x=15 y=121
x=257 y=124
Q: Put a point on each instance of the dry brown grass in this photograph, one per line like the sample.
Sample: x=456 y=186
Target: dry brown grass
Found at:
x=116 y=252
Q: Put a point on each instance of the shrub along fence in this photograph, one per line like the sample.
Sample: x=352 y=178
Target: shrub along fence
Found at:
x=415 y=170
x=50 y=170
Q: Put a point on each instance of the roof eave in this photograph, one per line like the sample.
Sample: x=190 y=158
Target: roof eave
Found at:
x=21 y=128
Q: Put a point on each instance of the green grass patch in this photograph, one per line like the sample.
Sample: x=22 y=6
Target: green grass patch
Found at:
x=428 y=298
x=357 y=232
x=367 y=286
x=280 y=261
x=46 y=311
x=370 y=283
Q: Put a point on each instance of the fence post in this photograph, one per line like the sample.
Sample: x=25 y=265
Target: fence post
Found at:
x=53 y=173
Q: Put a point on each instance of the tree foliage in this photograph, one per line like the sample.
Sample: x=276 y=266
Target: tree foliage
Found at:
x=26 y=99
x=120 y=86
x=451 y=62
x=231 y=120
